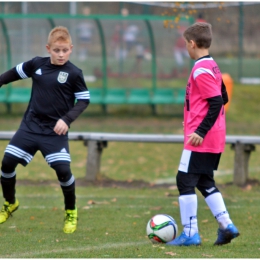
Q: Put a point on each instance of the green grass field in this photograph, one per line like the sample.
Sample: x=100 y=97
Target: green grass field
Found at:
x=112 y=223
x=112 y=219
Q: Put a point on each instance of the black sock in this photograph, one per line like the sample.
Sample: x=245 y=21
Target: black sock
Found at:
x=8 y=188
x=69 y=196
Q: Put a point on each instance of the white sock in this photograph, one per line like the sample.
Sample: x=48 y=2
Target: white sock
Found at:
x=217 y=206
x=188 y=209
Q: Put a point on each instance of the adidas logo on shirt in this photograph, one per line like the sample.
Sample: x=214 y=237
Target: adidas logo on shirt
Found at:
x=63 y=150
x=39 y=72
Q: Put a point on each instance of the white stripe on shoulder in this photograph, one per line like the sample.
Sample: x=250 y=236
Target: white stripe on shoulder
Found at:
x=82 y=95
x=19 y=69
x=200 y=71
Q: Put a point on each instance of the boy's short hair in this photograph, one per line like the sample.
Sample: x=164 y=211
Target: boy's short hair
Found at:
x=200 y=33
x=59 y=33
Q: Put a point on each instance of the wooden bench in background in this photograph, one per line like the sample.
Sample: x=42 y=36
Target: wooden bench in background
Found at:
x=96 y=142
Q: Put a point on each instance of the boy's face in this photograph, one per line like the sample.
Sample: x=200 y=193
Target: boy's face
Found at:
x=60 y=52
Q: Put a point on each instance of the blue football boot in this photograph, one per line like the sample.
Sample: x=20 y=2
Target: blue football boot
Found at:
x=184 y=240
x=226 y=235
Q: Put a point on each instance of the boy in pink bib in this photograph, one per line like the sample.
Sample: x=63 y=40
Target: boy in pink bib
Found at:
x=204 y=141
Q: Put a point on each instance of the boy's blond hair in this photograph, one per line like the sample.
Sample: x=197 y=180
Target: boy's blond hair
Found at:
x=59 y=33
x=200 y=33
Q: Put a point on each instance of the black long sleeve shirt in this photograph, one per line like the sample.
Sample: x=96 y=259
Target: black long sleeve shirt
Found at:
x=54 y=91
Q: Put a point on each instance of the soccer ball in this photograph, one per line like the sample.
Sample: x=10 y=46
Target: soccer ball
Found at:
x=161 y=228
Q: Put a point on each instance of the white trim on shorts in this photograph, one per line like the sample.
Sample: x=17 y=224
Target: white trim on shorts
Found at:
x=17 y=152
x=185 y=161
x=54 y=157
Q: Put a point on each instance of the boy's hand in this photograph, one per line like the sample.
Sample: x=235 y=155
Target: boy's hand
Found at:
x=61 y=127
x=194 y=139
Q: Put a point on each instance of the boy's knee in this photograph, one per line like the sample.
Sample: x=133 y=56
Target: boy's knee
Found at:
x=63 y=172
x=186 y=183
x=208 y=191
x=8 y=164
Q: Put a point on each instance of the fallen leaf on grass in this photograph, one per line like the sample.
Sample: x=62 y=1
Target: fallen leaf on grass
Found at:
x=114 y=200
x=248 y=187
x=168 y=194
x=170 y=253
x=175 y=203
x=92 y=202
x=205 y=221
x=156 y=208
x=207 y=255
x=32 y=218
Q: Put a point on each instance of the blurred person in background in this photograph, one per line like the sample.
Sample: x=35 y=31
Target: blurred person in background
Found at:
x=84 y=33
x=180 y=52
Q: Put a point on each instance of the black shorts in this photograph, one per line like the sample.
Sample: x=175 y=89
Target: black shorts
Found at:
x=24 y=145
x=199 y=163
x=205 y=183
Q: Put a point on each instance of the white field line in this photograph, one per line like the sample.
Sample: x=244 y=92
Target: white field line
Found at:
x=90 y=196
x=106 y=199
x=88 y=207
x=121 y=206
x=77 y=249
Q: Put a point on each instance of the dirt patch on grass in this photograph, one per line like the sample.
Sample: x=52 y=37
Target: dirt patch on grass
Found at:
x=110 y=183
x=104 y=182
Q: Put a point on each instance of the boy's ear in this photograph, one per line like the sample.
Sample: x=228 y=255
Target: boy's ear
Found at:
x=48 y=48
x=193 y=44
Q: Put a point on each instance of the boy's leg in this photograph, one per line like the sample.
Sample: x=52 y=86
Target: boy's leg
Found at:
x=8 y=180
x=67 y=183
x=188 y=210
x=55 y=149
x=227 y=231
x=188 y=202
x=19 y=150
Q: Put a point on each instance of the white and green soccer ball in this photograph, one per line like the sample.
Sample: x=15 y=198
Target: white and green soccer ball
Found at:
x=161 y=228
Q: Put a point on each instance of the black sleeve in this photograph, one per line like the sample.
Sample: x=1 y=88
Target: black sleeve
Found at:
x=9 y=76
x=215 y=105
x=224 y=93
x=79 y=107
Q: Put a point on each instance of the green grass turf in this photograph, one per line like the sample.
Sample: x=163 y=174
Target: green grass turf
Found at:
x=112 y=220
x=112 y=224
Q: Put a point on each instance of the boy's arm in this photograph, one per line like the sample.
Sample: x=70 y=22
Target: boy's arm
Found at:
x=79 y=107
x=215 y=105
x=224 y=93
x=9 y=76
